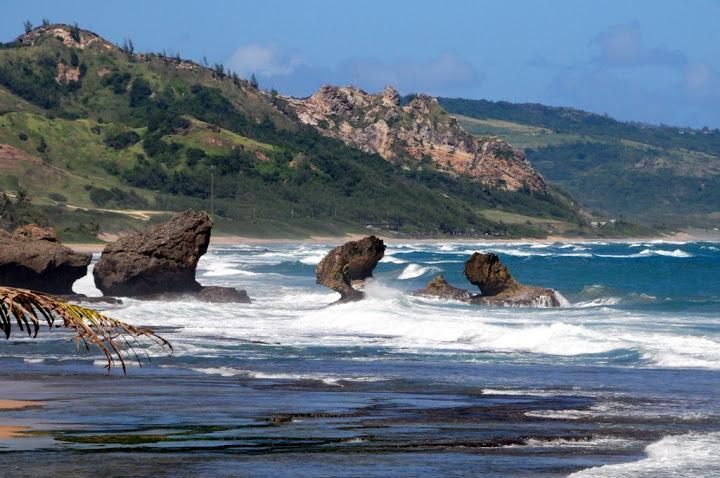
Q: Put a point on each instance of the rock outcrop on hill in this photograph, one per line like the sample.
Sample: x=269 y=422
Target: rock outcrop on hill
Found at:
x=351 y=262
x=33 y=258
x=499 y=288
x=419 y=134
x=439 y=287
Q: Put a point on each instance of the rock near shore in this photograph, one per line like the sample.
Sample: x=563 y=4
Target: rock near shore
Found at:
x=439 y=287
x=498 y=287
x=33 y=258
x=353 y=261
x=160 y=259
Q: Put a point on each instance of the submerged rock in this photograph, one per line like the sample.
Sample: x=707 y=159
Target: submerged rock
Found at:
x=353 y=261
x=439 y=287
x=499 y=288
x=32 y=258
x=215 y=294
x=160 y=259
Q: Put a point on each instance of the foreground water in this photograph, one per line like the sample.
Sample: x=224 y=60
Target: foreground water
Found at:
x=623 y=381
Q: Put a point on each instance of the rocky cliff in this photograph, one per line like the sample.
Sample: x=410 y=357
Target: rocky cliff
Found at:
x=418 y=134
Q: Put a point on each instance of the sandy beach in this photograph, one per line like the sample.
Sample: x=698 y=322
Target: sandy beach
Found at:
x=220 y=240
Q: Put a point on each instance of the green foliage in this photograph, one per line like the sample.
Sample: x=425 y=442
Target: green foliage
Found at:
x=116 y=197
x=653 y=174
x=75 y=32
x=270 y=172
x=122 y=139
x=140 y=91
x=57 y=197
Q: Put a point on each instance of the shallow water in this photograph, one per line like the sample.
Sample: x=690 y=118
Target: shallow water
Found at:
x=622 y=382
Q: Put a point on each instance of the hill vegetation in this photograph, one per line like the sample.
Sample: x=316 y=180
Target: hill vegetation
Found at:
x=86 y=125
x=658 y=175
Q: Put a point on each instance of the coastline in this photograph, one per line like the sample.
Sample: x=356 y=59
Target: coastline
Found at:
x=224 y=240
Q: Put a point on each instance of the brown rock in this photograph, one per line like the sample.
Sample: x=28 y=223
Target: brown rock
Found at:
x=34 y=232
x=32 y=258
x=412 y=133
x=215 y=294
x=499 y=288
x=438 y=287
x=162 y=258
x=353 y=261
x=489 y=274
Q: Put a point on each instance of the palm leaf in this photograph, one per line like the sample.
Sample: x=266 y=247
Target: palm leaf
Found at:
x=29 y=309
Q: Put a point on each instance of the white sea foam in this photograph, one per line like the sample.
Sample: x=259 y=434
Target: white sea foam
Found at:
x=86 y=285
x=328 y=379
x=414 y=270
x=691 y=455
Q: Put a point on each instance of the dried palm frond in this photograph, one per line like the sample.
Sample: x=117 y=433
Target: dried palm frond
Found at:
x=28 y=308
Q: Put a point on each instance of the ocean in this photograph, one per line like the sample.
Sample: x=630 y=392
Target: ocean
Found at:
x=624 y=380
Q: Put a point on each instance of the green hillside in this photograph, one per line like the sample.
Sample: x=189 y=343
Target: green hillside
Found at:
x=658 y=175
x=85 y=124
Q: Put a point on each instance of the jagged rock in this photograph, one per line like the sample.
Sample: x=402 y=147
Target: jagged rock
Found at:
x=215 y=294
x=411 y=133
x=499 y=288
x=160 y=259
x=32 y=258
x=353 y=261
x=439 y=287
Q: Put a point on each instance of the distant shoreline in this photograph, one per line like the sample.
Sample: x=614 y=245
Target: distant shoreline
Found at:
x=224 y=240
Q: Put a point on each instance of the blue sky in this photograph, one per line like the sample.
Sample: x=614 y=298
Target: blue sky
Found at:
x=654 y=61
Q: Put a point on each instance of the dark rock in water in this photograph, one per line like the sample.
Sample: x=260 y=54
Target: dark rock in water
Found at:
x=438 y=287
x=499 y=288
x=160 y=259
x=32 y=258
x=215 y=294
x=353 y=261
x=90 y=300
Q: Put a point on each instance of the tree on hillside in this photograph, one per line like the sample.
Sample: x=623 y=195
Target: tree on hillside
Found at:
x=28 y=26
x=75 y=32
x=128 y=46
x=45 y=22
x=254 y=82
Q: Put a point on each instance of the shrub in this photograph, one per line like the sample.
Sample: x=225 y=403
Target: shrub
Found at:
x=57 y=197
x=121 y=140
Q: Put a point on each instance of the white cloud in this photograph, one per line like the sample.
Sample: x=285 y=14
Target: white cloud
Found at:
x=266 y=60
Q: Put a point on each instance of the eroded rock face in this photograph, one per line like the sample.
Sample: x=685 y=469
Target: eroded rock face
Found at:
x=353 y=261
x=411 y=133
x=439 y=287
x=160 y=259
x=32 y=258
x=489 y=274
x=498 y=287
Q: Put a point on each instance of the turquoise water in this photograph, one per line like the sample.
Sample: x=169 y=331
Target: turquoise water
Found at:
x=622 y=381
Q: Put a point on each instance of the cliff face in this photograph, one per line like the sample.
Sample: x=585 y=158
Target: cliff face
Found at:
x=419 y=133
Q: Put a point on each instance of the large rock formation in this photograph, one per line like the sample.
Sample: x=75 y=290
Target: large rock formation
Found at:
x=413 y=133
x=439 y=287
x=32 y=258
x=353 y=261
x=499 y=288
x=160 y=259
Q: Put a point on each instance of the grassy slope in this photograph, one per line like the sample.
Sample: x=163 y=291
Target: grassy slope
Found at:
x=656 y=175
x=291 y=181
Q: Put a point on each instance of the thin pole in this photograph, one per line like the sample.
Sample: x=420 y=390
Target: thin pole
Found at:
x=212 y=191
